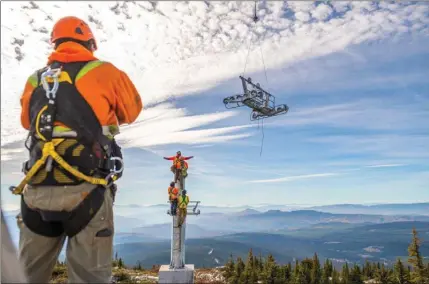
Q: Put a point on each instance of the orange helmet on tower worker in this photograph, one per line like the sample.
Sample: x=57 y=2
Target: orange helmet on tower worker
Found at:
x=73 y=29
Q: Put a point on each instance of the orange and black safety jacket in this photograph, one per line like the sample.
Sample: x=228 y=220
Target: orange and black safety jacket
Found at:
x=177 y=160
x=172 y=193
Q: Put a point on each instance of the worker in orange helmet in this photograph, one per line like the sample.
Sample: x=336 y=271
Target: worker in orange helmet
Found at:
x=80 y=118
x=172 y=197
x=177 y=166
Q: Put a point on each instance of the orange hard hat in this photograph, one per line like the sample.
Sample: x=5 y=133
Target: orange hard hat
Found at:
x=72 y=28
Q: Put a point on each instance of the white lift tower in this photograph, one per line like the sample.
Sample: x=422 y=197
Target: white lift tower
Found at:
x=178 y=271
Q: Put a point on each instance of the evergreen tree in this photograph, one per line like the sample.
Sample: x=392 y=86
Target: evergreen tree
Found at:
x=256 y=264
x=356 y=275
x=382 y=275
x=327 y=272
x=316 y=273
x=228 y=272
x=335 y=277
x=261 y=263
x=367 y=270
x=250 y=270
x=400 y=275
x=120 y=263
x=345 y=274
x=270 y=270
x=280 y=274
x=288 y=273
x=138 y=266
x=296 y=271
x=239 y=270
x=415 y=258
x=304 y=272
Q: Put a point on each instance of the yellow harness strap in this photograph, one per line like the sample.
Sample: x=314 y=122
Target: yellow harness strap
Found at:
x=49 y=150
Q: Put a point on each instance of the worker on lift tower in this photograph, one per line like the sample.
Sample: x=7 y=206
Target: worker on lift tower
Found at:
x=172 y=197
x=179 y=165
x=183 y=201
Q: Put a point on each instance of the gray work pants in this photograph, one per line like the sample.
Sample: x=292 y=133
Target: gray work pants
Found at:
x=88 y=256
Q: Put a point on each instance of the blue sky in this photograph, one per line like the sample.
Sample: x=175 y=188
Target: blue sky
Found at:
x=357 y=130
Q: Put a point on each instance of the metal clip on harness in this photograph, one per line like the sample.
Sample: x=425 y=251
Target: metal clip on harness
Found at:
x=113 y=172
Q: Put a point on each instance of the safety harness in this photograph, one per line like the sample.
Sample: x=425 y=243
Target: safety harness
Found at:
x=74 y=112
x=99 y=154
x=183 y=201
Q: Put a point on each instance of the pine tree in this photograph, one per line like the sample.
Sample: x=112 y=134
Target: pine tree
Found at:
x=325 y=275
x=345 y=274
x=304 y=275
x=288 y=273
x=356 y=275
x=229 y=268
x=316 y=273
x=270 y=270
x=239 y=266
x=416 y=259
x=335 y=277
x=280 y=272
x=120 y=263
x=382 y=275
x=256 y=264
x=367 y=270
x=400 y=275
x=296 y=271
x=138 y=266
x=250 y=269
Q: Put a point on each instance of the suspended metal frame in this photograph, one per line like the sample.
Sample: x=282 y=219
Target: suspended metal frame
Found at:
x=262 y=103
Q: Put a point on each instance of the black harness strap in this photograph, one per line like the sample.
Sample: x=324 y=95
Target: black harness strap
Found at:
x=71 y=107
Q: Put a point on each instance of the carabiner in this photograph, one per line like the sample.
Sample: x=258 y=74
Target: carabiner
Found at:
x=52 y=73
x=115 y=171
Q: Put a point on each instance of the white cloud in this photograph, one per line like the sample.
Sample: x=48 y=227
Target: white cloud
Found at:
x=164 y=124
x=386 y=166
x=293 y=178
x=372 y=114
x=322 y=12
x=177 y=49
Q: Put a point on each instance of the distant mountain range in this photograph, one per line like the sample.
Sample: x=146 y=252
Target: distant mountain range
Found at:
x=383 y=209
x=277 y=220
x=339 y=242
x=145 y=234
x=218 y=223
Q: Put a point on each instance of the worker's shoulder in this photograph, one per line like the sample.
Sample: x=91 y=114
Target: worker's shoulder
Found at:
x=104 y=68
x=33 y=79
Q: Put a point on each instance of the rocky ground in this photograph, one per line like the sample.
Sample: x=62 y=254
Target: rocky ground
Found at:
x=124 y=275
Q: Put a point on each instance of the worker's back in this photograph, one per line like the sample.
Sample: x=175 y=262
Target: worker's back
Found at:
x=107 y=90
x=72 y=121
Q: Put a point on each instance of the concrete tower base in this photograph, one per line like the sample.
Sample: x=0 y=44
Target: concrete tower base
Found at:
x=184 y=275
